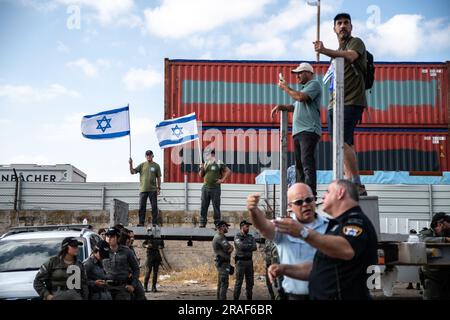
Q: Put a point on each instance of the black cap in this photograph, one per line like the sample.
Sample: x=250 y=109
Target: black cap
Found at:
x=103 y=247
x=221 y=223
x=149 y=153
x=71 y=241
x=342 y=15
x=245 y=222
x=438 y=217
x=113 y=232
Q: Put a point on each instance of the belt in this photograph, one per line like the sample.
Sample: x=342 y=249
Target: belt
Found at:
x=242 y=258
x=116 y=282
x=292 y=296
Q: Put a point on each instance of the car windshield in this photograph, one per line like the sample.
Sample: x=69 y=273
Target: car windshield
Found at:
x=29 y=254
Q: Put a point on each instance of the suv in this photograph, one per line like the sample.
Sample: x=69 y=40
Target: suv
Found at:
x=24 y=249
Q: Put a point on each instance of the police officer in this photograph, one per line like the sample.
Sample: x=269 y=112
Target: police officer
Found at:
x=245 y=244
x=344 y=252
x=95 y=273
x=223 y=249
x=153 y=261
x=63 y=277
x=118 y=265
x=436 y=279
x=271 y=257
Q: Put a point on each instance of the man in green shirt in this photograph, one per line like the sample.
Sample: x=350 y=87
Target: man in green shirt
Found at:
x=353 y=51
x=150 y=181
x=214 y=173
x=306 y=127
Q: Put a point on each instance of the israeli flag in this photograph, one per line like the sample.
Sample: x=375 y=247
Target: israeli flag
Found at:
x=329 y=75
x=177 y=131
x=107 y=124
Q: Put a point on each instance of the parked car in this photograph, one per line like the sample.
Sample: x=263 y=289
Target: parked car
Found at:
x=24 y=249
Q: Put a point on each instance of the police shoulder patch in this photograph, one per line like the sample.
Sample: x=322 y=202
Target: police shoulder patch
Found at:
x=352 y=230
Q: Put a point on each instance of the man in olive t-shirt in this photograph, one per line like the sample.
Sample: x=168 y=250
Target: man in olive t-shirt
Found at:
x=353 y=51
x=150 y=186
x=214 y=172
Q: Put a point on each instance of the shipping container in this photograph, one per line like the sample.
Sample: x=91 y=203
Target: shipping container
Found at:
x=242 y=93
x=249 y=150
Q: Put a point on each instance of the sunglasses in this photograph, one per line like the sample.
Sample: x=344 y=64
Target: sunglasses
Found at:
x=299 y=202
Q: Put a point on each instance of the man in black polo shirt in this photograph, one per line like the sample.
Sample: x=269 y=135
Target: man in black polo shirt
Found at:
x=344 y=252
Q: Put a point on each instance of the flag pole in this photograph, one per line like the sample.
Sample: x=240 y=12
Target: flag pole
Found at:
x=129 y=126
x=318 y=28
x=199 y=151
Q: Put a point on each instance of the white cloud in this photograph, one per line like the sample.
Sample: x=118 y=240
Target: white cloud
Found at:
x=88 y=68
x=272 y=47
x=64 y=131
x=107 y=10
x=39 y=5
x=142 y=126
x=137 y=79
x=26 y=93
x=179 y=18
x=209 y=42
x=61 y=47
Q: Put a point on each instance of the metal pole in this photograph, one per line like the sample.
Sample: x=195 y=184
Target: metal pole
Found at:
x=103 y=197
x=338 y=119
x=186 y=193
x=430 y=197
x=318 y=28
x=283 y=162
x=16 y=191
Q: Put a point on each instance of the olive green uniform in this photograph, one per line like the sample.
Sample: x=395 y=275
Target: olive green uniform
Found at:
x=245 y=244
x=118 y=267
x=271 y=257
x=221 y=247
x=211 y=190
x=53 y=277
x=435 y=279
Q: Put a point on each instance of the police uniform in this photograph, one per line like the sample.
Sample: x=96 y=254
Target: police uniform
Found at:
x=336 y=279
x=271 y=257
x=221 y=247
x=117 y=267
x=435 y=279
x=245 y=244
x=153 y=261
x=53 y=278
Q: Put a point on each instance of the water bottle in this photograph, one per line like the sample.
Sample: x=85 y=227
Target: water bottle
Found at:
x=85 y=221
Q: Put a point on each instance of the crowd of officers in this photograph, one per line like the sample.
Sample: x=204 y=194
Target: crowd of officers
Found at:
x=110 y=273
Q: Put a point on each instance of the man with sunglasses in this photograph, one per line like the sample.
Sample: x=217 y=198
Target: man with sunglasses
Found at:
x=344 y=252
x=291 y=249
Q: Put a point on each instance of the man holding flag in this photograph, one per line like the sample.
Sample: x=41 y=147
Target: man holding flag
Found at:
x=150 y=186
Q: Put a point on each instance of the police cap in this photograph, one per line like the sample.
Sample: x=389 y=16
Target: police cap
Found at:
x=71 y=241
x=245 y=222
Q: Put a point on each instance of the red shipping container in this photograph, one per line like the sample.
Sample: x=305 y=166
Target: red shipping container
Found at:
x=248 y=151
x=243 y=92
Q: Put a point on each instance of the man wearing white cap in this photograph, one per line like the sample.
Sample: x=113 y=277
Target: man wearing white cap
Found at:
x=306 y=127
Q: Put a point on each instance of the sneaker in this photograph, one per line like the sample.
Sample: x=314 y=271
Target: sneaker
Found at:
x=202 y=225
x=362 y=190
x=154 y=289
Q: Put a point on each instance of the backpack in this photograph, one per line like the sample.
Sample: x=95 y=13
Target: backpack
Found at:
x=370 y=72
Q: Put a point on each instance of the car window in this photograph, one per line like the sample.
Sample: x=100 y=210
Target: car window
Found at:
x=29 y=254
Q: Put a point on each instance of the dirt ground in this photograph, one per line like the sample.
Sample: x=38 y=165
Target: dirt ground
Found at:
x=190 y=290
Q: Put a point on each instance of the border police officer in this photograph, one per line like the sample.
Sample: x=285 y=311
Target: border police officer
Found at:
x=153 y=261
x=436 y=279
x=118 y=265
x=63 y=277
x=223 y=249
x=95 y=273
x=245 y=244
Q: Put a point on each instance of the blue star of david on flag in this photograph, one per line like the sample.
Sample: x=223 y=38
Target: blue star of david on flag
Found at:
x=177 y=131
x=108 y=123
x=98 y=126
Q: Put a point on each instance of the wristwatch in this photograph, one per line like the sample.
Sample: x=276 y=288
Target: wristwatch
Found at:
x=304 y=233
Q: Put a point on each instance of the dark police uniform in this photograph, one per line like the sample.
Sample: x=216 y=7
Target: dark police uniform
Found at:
x=52 y=279
x=95 y=271
x=221 y=246
x=245 y=244
x=435 y=279
x=153 y=261
x=117 y=267
x=336 y=279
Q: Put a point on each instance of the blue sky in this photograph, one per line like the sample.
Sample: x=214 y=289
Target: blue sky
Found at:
x=54 y=70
